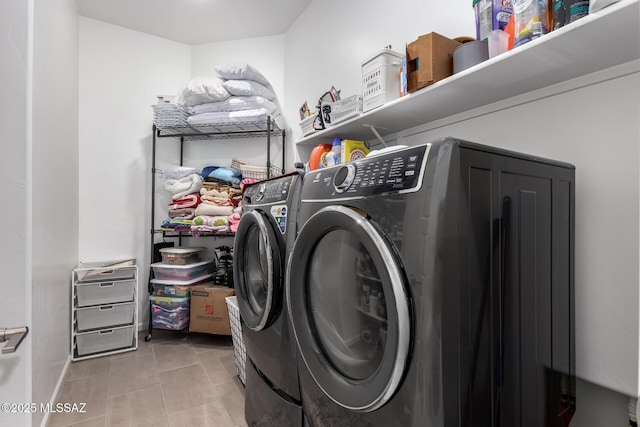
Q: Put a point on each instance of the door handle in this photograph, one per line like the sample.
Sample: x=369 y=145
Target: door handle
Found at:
x=14 y=337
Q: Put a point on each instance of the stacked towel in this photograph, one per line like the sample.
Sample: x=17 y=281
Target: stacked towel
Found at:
x=234 y=220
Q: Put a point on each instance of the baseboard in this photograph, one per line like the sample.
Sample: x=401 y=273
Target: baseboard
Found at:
x=56 y=390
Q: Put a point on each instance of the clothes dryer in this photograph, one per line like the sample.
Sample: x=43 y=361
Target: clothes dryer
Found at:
x=433 y=286
x=263 y=241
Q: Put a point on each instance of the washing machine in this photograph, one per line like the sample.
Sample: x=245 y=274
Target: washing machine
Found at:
x=264 y=238
x=434 y=286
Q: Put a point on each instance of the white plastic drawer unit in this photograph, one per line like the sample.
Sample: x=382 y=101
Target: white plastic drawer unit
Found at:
x=99 y=293
x=104 y=316
x=104 y=340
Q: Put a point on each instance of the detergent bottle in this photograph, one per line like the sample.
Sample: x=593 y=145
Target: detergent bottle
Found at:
x=332 y=158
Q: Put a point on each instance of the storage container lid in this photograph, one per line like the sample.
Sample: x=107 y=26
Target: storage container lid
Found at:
x=182 y=282
x=182 y=250
x=181 y=266
x=170 y=299
x=382 y=52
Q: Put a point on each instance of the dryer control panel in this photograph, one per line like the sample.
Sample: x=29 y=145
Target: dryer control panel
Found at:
x=396 y=172
x=267 y=192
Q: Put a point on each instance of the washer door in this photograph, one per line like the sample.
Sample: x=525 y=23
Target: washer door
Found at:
x=258 y=268
x=350 y=309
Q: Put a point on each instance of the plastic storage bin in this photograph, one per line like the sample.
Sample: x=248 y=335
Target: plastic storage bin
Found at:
x=181 y=256
x=105 y=316
x=177 y=288
x=380 y=79
x=239 y=352
x=182 y=272
x=99 y=293
x=170 y=312
x=104 y=340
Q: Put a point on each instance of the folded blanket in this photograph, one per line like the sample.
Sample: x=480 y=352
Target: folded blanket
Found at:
x=177 y=172
x=182 y=213
x=218 y=201
x=188 y=201
x=228 y=175
x=176 y=224
x=248 y=181
x=213 y=210
x=197 y=230
x=183 y=186
x=220 y=191
x=234 y=103
x=234 y=221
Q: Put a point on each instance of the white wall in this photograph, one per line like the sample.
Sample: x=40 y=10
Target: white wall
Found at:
x=55 y=189
x=594 y=127
x=39 y=117
x=327 y=45
x=121 y=72
x=15 y=369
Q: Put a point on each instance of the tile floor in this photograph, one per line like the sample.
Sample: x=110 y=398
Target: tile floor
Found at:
x=175 y=380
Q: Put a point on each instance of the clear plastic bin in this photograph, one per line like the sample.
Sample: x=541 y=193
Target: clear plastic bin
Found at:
x=182 y=272
x=181 y=255
x=170 y=312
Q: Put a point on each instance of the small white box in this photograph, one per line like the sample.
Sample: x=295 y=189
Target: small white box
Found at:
x=381 y=79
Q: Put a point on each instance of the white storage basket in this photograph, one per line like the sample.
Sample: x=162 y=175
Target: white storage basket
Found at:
x=344 y=109
x=239 y=351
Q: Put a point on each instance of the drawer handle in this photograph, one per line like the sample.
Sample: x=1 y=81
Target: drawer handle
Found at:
x=110 y=331
x=107 y=307
x=107 y=285
x=105 y=272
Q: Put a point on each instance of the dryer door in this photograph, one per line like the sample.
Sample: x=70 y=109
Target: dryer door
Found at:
x=257 y=270
x=347 y=296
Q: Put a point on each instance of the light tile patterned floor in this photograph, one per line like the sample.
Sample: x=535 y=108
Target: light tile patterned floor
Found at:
x=175 y=380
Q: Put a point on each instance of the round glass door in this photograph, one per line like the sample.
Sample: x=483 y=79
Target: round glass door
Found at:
x=349 y=307
x=257 y=270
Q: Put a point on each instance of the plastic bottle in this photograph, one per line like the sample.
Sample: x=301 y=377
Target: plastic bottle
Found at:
x=531 y=20
x=332 y=158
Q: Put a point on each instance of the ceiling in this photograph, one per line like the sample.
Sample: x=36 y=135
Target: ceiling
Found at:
x=198 y=21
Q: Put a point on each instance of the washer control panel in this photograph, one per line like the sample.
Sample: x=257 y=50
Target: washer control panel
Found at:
x=397 y=171
x=272 y=191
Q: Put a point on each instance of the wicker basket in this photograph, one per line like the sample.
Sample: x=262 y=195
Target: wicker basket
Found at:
x=254 y=171
x=239 y=352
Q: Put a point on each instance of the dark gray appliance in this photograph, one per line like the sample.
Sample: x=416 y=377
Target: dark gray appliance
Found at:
x=263 y=241
x=434 y=286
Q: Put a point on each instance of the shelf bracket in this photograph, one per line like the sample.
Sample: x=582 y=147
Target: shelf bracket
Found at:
x=377 y=134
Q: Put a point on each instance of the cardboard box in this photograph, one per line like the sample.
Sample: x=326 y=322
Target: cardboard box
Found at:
x=429 y=59
x=209 y=309
x=352 y=150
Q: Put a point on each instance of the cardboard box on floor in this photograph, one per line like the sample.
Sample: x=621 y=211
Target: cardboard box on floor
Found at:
x=429 y=59
x=209 y=309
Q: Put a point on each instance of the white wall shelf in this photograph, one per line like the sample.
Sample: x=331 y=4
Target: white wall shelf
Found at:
x=596 y=42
